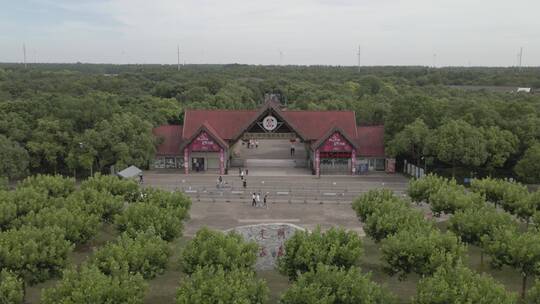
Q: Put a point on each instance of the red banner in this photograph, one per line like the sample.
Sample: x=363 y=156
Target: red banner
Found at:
x=203 y=143
x=336 y=143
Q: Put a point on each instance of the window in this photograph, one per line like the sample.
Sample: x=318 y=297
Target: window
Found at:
x=159 y=163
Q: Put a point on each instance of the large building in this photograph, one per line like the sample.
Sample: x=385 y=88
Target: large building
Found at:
x=332 y=140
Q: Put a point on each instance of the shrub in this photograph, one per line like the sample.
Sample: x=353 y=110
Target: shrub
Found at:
x=27 y=199
x=214 y=248
x=11 y=288
x=391 y=218
x=304 y=250
x=421 y=251
x=421 y=189
x=533 y=295
x=449 y=199
x=334 y=285
x=215 y=285
x=461 y=285
x=101 y=203
x=54 y=185
x=90 y=286
x=35 y=254
x=77 y=225
x=146 y=254
x=165 y=199
x=141 y=217
x=367 y=203
x=126 y=188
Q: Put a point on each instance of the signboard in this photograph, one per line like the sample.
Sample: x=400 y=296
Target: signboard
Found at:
x=270 y=123
x=203 y=143
x=336 y=143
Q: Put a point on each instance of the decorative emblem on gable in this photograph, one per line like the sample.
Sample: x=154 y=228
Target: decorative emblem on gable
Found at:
x=270 y=123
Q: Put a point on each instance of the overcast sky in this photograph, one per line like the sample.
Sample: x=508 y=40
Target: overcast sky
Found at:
x=328 y=32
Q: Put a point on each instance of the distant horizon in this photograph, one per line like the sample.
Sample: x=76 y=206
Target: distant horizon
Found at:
x=302 y=32
x=268 y=65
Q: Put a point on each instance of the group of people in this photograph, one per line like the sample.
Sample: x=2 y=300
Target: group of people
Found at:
x=256 y=200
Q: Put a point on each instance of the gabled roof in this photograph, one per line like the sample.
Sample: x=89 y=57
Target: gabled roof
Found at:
x=370 y=141
x=269 y=107
x=205 y=127
x=315 y=124
x=329 y=133
x=172 y=138
x=226 y=123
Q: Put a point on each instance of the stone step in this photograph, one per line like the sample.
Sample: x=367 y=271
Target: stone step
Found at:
x=270 y=163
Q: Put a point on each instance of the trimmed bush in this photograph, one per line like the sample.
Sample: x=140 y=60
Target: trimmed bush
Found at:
x=420 y=251
x=91 y=286
x=101 y=203
x=334 y=285
x=304 y=250
x=421 y=189
x=367 y=203
x=215 y=285
x=35 y=254
x=77 y=225
x=142 y=217
x=145 y=254
x=11 y=288
x=53 y=185
x=214 y=248
x=126 y=188
x=456 y=285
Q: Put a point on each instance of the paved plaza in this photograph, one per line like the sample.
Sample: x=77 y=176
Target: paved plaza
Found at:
x=304 y=200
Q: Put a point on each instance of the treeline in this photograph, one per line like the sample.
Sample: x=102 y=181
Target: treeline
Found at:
x=75 y=119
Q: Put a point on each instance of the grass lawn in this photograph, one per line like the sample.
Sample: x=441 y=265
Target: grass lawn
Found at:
x=162 y=289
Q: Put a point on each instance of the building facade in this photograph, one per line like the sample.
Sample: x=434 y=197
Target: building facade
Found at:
x=333 y=141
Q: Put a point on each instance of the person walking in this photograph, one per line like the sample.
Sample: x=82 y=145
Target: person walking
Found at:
x=242 y=174
x=244 y=183
x=141 y=178
x=292 y=149
x=253 y=200
x=265 y=198
x=256 y=144
x=258 y=199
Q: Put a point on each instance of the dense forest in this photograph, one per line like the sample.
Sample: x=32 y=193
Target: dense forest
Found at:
x=78 y=119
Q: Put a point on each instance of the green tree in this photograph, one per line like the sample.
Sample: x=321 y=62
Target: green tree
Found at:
x=89 y=285
x=411 y=140
x=53 y=185
x=213 y=285
x=476 y=226
x=458 y=143
x=421 y=189
x=500 y=144
x=528 y=167
x=450 y=199
x=34 y=254
x=100 y=203
x=304 y=250
x=47 y=144
x=14 y=159
x=420 y=251
x=517 y=250
x=77 y=225
x=334 y=285
x=214 y=248
x=145 y=254
x=142 y=217
x=368 y=202
x=11 y=288
x=533 y=295
x=390 y=218
x=457 y=285
x=126 y=188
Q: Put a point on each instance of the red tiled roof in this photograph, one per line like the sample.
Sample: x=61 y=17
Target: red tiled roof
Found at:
x=370 y=141
x=313 y=124
x=172 y=138
x=227 y=123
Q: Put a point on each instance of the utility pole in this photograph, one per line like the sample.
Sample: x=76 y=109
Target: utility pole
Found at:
x=24 y=55
x=359 y=57
x=178 y=55
x=520 y=56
